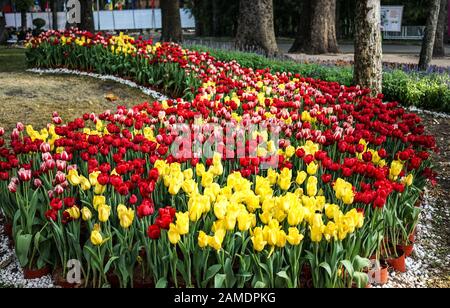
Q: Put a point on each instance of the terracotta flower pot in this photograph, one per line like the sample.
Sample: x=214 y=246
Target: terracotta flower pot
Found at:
x=381 y=276
x=408 y=249
x=412 y=236
x=398 y=264
x=36 y=273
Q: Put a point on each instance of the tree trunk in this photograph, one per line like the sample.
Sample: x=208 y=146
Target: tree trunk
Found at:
x=439 y=43
x=87 y=16
x=426 y=53
x=256 y=31
x=54 y=8
x=171 y=21
x=23 y=20
x=368 y=48
x=317 y=28
x=215 y=18
x=3 y=37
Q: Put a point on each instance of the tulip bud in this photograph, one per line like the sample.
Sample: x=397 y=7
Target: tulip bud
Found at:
x=37 y=183
x=24 y=175
x=59 y=190
x=61 y=165
x=44 y=147
x=50 y=164
x=20 y=127
x=15 y=134
x=2 y=131
x=46 y=156
x=12 y=187
x=64 y=156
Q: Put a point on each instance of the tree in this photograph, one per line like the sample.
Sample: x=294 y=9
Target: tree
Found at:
x=426 y=52
x=368 y=49
x=54 y=8
x=317 y=28
x=87 y=16
x=3 y=36
x=439 y=43
x=171 y=21
x=23 y=6
x=256 y=27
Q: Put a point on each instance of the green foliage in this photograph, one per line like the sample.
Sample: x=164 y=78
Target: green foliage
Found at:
x=23 y=5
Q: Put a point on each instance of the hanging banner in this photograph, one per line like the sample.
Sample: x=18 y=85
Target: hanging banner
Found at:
x=391 y=18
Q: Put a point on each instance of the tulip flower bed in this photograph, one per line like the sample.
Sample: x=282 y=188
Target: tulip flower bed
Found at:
x=252 y=179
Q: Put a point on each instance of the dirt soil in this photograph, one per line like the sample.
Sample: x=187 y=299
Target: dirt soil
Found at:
x=31 y=98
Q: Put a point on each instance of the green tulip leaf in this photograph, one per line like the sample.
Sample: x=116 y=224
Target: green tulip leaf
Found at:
x=23 y=243
x=283 y=275
x=219 y=280
x=327 y=267
x=260 y=285
x=161 y=284
x=212 y=271
x=348 y=266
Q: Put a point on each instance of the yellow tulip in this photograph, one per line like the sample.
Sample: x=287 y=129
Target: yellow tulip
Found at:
x=189 y=186
x=396 y=168
x=216 y=240
x=126 y=216
x=203 y=239
x=188 y=174
x=182 y=223
x=99 y=189
x=330 y=231
x=258 y=239
x=220 y=209
x=272 y=176
x=96 y=236
x=301 y=177
x=311 y=186
x=312 y=168
x=86 y=214
x=290 y=151
x=230 y=222
x=84 y=183
x=200 y=169
x=104 y=211
x=173 y=234
x=207 y=179
x=93 y=177
x=245 y=221
x=73 y=177
x=98 y=200
x=296 y=215
x=331 y=210
x=294 y=237
x=281 y=239
x=74 y=212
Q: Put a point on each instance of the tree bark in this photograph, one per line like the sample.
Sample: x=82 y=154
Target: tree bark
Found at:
x=317 y=28
x=87 y=16
x=171 y=21
x=439 y=43
x=368 y=48
x=3 y=37
x=54 y=8
x=429 y=37
x=23 y=20
x=256 y=31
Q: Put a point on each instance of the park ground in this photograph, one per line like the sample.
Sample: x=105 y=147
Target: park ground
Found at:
x=31 y=99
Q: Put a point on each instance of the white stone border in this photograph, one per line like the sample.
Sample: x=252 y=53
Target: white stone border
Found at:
x=156 y=95
x=432 y=113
